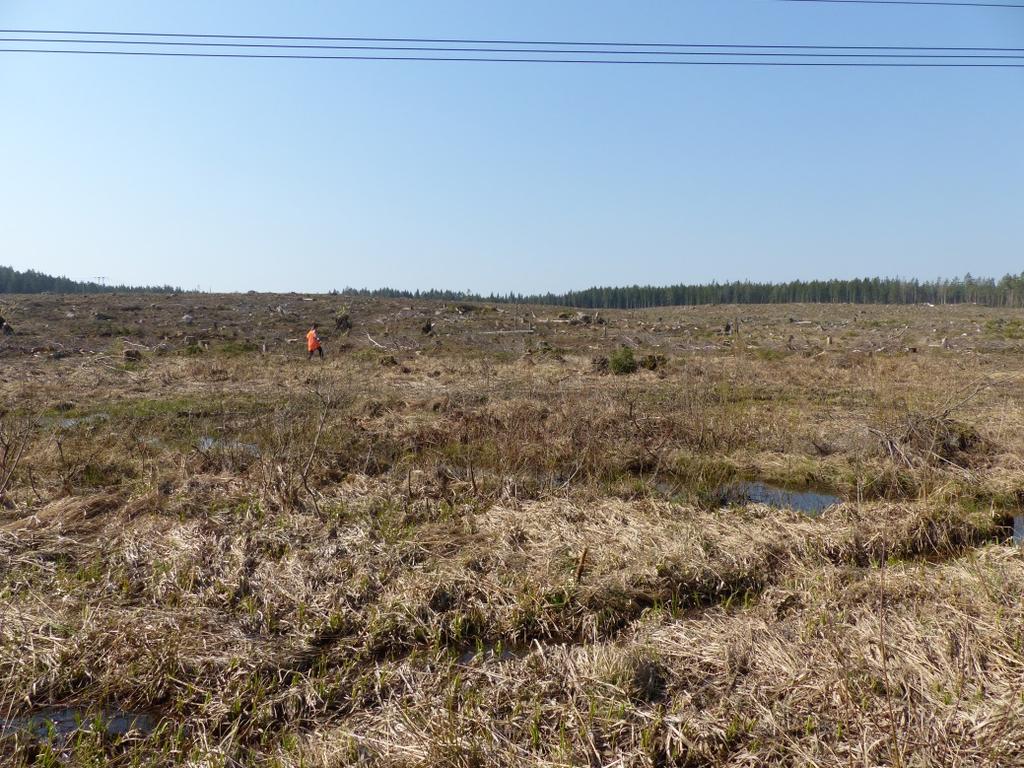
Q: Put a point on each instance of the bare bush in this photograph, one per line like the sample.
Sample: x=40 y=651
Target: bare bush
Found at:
x=16 y=435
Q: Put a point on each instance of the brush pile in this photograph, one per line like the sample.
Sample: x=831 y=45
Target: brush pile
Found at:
x=920 y=440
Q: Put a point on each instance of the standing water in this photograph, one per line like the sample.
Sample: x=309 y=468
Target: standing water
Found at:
x=807 y=501
x=58 y=724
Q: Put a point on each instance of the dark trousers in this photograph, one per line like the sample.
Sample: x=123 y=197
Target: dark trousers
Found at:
x=312 y=352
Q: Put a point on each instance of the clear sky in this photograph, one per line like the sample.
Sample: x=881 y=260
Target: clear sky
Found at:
x=304 y=175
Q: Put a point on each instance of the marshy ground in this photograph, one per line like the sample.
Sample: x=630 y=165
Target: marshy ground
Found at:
x=463 y=540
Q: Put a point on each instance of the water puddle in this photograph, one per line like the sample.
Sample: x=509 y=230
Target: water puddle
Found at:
x=207 y=443
x=69 y=422
x=1011 y=531
x=494 y=652
x=59 y=724
x=808 y=501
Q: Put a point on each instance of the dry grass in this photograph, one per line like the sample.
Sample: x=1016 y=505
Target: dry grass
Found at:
x=475 y=557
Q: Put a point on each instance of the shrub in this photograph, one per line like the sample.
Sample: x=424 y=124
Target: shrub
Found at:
x=622 y=361
x=653 y=362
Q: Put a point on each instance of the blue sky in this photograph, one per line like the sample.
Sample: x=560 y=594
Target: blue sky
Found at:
x=302 y=175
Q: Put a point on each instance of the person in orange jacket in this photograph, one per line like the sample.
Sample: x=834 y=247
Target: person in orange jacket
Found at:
x=313 y=343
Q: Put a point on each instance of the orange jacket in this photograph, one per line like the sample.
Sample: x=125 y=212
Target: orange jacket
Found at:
x=312 y=341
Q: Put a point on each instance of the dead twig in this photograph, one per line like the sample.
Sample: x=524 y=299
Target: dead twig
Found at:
x=325 y=408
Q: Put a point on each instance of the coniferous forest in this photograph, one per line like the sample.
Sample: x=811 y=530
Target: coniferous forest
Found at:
x=31 y=281
x=1005 y=292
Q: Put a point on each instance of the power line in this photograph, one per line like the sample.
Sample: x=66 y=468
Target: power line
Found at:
x=672 y=62
x=467 y=41
x=524 y=52
x=912 y=2
x=603 y=52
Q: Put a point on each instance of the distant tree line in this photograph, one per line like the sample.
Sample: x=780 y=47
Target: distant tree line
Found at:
x=1006 y=292
x=30 y=281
